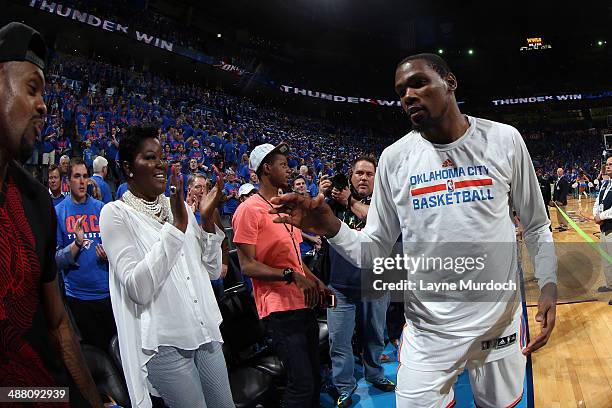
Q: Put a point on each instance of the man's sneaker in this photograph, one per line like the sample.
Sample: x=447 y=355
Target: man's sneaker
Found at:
x=384 y=384
x=604 y=289
x=344 y=400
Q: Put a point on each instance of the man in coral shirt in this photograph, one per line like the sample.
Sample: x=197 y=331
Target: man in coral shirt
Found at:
x=285 y=289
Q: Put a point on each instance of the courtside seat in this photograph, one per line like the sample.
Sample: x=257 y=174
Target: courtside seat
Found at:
x=270 y=364
x=234 y=277
x=107 y=378
x=113 y=350
x=249 y=385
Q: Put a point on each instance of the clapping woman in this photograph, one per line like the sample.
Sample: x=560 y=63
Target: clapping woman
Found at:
x=161 y=263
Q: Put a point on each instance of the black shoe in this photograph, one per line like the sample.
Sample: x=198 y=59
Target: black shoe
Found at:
x=610 y=302
x=602 y=289
x=384 y=384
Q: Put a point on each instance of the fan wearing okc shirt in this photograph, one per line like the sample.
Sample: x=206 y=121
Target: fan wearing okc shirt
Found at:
x=491 y=172
x=81 y=257
x=231 y=193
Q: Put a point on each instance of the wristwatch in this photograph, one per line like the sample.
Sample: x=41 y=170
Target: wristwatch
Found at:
x=288 y=275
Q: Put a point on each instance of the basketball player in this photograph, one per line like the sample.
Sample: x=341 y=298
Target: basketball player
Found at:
x=491 y=172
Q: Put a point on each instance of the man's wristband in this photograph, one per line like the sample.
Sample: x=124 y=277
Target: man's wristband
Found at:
x=77 y=244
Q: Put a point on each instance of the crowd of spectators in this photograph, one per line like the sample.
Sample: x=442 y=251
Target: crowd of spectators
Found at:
x=91 y=103
x=575 y=151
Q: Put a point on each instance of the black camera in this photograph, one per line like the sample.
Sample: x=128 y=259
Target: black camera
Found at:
x=339 y=181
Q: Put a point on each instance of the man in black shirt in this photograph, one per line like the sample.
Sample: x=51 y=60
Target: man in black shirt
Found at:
x=32 y=313
x=544 y=183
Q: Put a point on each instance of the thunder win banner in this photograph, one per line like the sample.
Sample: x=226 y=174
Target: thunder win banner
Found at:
x=78 y=16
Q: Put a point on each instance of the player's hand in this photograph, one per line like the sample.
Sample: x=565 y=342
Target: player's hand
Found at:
x=598 y=220
x=223 y=271
x=311 y=214
x=547 y=310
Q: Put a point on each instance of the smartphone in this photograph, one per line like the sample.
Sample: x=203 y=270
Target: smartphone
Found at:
x=328 y=300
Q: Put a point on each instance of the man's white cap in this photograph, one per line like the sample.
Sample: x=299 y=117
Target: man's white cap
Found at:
x=245 y=189
x=260 y=152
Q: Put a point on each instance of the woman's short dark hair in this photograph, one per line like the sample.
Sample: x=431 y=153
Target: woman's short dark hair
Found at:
x=131 y=142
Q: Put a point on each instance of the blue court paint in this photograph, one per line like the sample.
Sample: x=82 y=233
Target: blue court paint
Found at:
x=367 y=396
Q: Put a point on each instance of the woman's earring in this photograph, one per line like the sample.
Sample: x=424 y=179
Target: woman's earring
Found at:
x=131 y=175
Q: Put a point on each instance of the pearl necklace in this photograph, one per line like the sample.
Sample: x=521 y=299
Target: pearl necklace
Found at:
x=158 y=209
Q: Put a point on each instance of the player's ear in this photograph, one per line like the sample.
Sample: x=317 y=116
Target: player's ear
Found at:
x=451 y=82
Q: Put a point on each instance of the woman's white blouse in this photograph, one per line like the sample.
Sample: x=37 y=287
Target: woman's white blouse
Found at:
x=160 y=288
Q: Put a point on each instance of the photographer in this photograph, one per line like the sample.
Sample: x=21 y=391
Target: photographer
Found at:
x=351 y=204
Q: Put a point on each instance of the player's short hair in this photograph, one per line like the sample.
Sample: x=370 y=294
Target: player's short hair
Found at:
x=434 y=61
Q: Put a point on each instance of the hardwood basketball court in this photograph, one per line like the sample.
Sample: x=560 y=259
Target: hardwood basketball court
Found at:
x=575 y=368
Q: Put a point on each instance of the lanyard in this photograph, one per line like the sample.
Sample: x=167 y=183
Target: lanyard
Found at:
x=288 y=230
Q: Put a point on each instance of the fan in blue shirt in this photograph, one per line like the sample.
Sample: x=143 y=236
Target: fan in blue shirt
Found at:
x=88 y=154
x=100 y=169
x=85 y=268
x=121 y=190
x=231 y=191
x=81 y=257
